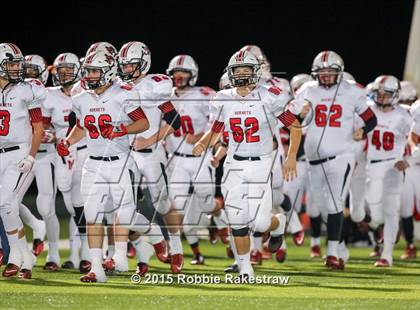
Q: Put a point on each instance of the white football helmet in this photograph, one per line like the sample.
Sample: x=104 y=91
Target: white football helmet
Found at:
x=327 y=60
x=102 y=61
x=10 y=53
x=386 y=84
x=102 y=46
x=183 y=63
x=243 y=59
x=298 y=80
x=35 y=67
x=408 y=93
x=224 y=82
x=66 y=60
x=262 y=58
x=134 y=52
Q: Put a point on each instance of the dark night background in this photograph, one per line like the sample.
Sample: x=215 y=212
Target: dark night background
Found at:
x=371 y=36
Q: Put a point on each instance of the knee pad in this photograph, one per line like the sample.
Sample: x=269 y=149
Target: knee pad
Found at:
x=257 y=234
x=80 y=219
x=241 y=232
x=126 y=214
x=262 y=224
x=163 y=206
x=93 y=215
x=45 y=205
x=286 y=203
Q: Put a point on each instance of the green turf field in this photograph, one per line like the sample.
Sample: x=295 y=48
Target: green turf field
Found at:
x=310 y=286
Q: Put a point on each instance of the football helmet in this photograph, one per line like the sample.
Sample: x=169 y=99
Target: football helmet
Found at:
x=11 y=54
x=102 y=46
x=134 y=53
x=408 y=93
x=102 y=61
x=224 y=82
x=243 y=59
x=386 y=86
x=66 y=60
x=35 y=67
x=183 y=63
x=324 y=61
x=298 y=80
x=262 y=58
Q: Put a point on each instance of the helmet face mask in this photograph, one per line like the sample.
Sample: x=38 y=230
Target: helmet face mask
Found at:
x=32 y=71
x=327 y=77
x=327 y=69
x=12 y=70
x=94 y=77
x=181 y=77
x=99 y=69
x=66 y=74
x=129 y=71
x=183 y=70
x=383 y=98
x=243 y=75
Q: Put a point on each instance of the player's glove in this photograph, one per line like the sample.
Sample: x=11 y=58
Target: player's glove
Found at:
x=112 y=132
x=63 y=148
x=25 y=165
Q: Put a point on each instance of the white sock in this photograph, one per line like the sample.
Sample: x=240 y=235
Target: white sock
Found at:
x=245 y=266
x=111 y=251
x=144 y=250
x=257 y=243
x=315 y=241
x=120 y=249
x=84 y=247
x=175 y=243
x=53 y=254
x=233 y=247
x=96 y=260
x=28 y=257
x=332 y=248
x=53 y=228
x=155 y=234
x=284 y=245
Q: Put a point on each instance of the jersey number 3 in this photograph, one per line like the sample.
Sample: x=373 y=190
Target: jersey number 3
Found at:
x=252 y=126
x=4 y=122
x=321 y=115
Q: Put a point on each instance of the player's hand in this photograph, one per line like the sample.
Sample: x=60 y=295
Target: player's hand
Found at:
x=289 y=169
x=112 y=132
x=63 y=148
x=190 y=139
x=140 y=143
x=48 y=136
x=214 y=161
x=401 y=165
x=358 y=134
x=198 y=149
x=25 y=165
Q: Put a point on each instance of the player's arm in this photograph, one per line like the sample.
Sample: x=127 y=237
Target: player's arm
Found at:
x=209 y=139
x=370 y=122
x=173 y=122
x=220 y=153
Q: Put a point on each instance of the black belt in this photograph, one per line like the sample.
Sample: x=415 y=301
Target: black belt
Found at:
x=9 y=149
x=374 y=161
x=252 y=158
x=81 y=147
x=110 y=158
x=42 y=151
x=320 y=161
x=142 y=150
x=184 y=155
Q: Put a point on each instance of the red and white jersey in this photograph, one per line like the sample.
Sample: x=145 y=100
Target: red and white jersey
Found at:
x=415 y=113
x=283 y=84
x=119 y=104
x=155 y=90
x=390 y=136
x=20 y=104
x=194 y=109
x=77 y=88
x=330 y=122
x=251 y=121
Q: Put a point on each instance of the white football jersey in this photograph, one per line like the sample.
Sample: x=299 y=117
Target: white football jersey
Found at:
x=415 y=113
x=283 y=84
x=16 y=101
x=155 y=89
x=389 y=138
x=329 y=125
x=250 y=121
x=194 y=109
x=95 y=113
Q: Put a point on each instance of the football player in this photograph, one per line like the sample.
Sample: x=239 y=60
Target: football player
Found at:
x=19 y=142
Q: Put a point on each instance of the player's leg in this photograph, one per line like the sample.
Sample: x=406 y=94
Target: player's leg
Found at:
x=406 y=212
x=38 y=228
x=357 y=191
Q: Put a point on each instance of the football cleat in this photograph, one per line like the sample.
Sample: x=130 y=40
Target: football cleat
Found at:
x=341 y=264
x=68 y=265
x=299 y=237
x=161 y=251
x=85 y=266
x=177 y=262
x=331 y=262
x=37 y=246
x=256 y=257
x=92 y=278
x=51 y=266
x=197 y=260
x=142 y=269
x=281 y=255
x=25 y=274
x=376 y=251
x=382 y=263
x=234 y=268
x=266 y=254
x=315 y=251
x=108 y=265
x=275 y=243
x=410 y=252
x=10 y=270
